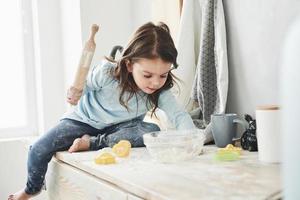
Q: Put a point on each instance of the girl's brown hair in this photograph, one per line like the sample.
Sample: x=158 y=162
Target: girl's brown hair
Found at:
x=150 y=41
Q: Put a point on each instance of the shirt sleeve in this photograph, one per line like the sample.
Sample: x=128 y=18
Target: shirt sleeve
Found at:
x=98 y=76
x=175 y=113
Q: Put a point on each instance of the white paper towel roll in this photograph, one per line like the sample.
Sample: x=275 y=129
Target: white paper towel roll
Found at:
x=268 y=134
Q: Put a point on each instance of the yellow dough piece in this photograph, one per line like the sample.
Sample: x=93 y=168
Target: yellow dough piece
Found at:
x=122 y=148
x=229 y=153
x=230 y=148
x=105 y=158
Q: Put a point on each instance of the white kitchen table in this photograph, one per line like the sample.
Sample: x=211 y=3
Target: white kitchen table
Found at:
x=76 y=176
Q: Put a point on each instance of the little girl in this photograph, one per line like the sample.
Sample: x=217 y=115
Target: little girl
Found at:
x=114 y=102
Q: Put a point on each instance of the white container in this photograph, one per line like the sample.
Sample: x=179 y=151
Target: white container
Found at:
x=268 y=133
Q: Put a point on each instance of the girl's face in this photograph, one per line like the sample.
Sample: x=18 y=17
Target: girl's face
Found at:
x=149 y=74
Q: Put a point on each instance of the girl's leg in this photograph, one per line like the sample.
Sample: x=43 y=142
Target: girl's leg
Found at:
x=132 y=131
x=58 y=138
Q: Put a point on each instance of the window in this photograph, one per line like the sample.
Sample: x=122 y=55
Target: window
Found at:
x=17 y=99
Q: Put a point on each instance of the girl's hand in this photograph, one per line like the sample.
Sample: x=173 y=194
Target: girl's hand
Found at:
x=73 y=95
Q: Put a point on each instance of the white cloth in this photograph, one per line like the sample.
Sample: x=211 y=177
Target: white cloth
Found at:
x=193 y=26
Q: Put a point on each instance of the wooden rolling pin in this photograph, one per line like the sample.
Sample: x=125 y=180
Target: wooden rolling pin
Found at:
x=75 y=91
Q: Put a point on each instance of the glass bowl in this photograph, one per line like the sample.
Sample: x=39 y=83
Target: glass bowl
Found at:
x=175 y=145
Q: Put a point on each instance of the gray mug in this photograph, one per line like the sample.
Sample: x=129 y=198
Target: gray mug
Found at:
x=224 y=128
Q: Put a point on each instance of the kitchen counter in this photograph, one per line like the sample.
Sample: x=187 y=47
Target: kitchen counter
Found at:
x=139 y=177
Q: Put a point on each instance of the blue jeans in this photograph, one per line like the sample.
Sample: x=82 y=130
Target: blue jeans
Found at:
x=61 y=137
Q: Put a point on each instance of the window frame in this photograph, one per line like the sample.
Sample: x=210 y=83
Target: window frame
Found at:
x=31 y=127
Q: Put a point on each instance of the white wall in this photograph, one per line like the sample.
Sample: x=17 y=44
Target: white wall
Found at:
x=49 y=62
x=166 y=11
x=13 y=166
x=117 y=20
x=255 y=33
x=141 y=12
x=71 y=39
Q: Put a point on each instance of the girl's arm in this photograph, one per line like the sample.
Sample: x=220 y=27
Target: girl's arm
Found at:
x=75 y=91
x=97 y=78
x=175 y=112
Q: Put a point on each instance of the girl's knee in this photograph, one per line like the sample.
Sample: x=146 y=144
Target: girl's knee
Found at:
x=144 y=128
x=39 y=152
x=149 y=127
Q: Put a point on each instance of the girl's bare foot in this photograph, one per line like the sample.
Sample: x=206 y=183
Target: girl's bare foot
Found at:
x=21 y=195
x=80 y=144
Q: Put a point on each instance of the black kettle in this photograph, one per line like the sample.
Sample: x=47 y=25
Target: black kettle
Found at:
x=248 y=139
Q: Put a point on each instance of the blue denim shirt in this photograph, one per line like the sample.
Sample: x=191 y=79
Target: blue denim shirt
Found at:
x=100 y=107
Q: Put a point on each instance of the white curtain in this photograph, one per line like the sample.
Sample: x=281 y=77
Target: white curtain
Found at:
x=202 y=59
